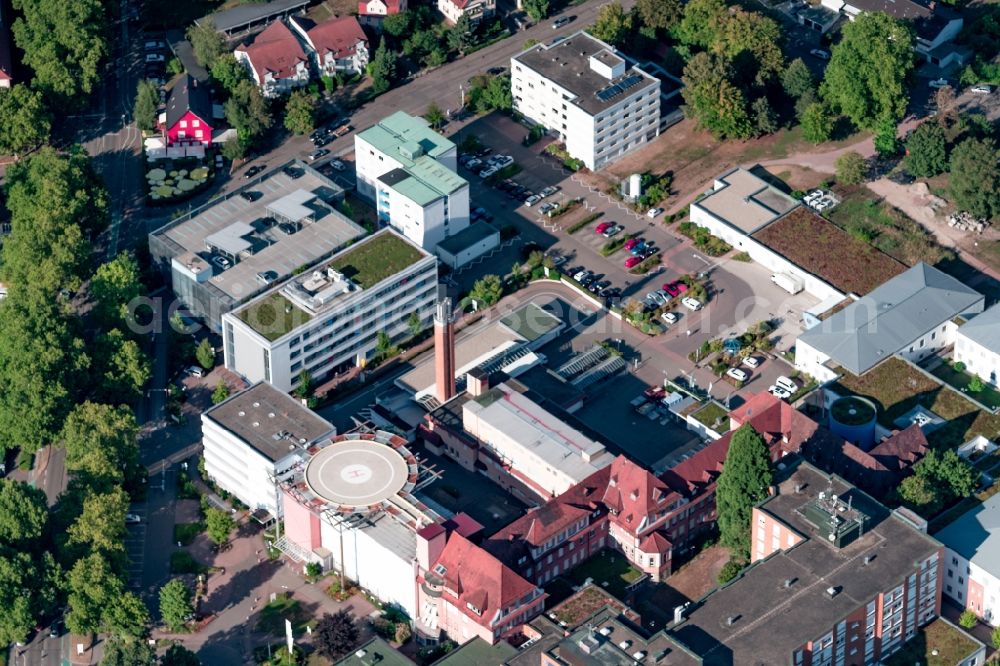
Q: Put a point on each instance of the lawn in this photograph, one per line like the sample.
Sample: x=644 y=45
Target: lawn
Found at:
x=824 y=249
x=583 y=604
x=714 y=416
x=895 y=387
x=989 y=396
x=937 y=644
x=273 y=316
x=272 y=617
x=607 y=567
x=868 y=219
x=375 y=259
x=185 y=533
x=181 y=562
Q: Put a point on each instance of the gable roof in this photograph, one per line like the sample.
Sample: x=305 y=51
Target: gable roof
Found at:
x=478 y=578
x=984 y=329
x=391 y=7
x=275 y=50
x=901 y=450
x=975 y=535
x=186 y=96
x=892 y=316
x=339 y=35
x=634 y=494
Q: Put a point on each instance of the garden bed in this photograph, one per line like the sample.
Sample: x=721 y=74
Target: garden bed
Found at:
x=176 y=180
x=960 y=380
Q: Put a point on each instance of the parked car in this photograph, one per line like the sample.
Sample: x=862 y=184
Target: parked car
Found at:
x=473 y=164
x=648 y=251
x=779 y=392
x=738 y=374
x=338 y=164
x=632 y=262
x=196 y=371
x=532 y=200
x=820 y=53
x=939 y=83
x=638 y=248
x=316 y=154
x=502 y=161
x=670 y=317
x=321 y=141
x=546 y=207
x=610 y=292
x=558 y=260
x=155 y=45
x=496 y=71
x=487 y=172
x=132 y=519
x=981 y=89
x=602 y=227
x=581 y=275
x=598 y=286
x=632 y=242
x=751 y=361
x=653 y=212
x=267 y=277
x=656 y=297
x=787 y=384
x=293 y=172
x=55 y=631
x=612 y=230
x=250 y=196
x=221 y=262
x=254 y=170
x=561 y=21
x=155 y=57
x=691 y=303
x=549 y=191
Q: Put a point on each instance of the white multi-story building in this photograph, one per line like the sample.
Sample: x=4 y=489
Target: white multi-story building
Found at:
x=977 y=345
x=583 y=89
x=337 y=45
x=972 y=560
x=256 y=437
x=276 y=60
x=327 y=320
x=409 y=171
x=476 y=10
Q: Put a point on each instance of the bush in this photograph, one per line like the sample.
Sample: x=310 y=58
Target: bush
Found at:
x=582 y=223
x=181 y=562
x=742 y=256
x=976 y=384
x=995 y=637
x=968 y=619
x=185 y=533
x=959 y=366
x=729 y=571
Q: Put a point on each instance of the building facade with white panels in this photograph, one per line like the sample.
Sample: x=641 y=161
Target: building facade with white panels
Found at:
x=254 y=438
x=583 y=89
x=977 y=345
x=972 y=560
x=327 y=320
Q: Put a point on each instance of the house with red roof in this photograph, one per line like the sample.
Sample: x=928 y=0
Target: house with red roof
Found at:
x=371 y=12
x=464 y=592
x=334 y=46
x=188 y=118
x=276 y=60
x=476 y=10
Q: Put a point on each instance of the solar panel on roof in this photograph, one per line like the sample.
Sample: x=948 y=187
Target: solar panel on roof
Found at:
x=616 y=89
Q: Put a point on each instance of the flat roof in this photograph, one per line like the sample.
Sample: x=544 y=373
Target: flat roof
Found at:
x=292 y=207
x=823 y=249
x=229 y=19
x=473 y=234
x=376 y=258
x=745 y=201
x=405 y=138
x=531 y=322
x=975 y=535
x=759 y=600
x=270 y=248
x=938 y=643
x=567 y=64
x=478 y=652
x=890 y=317
x=376 y=651
x=232 y=240
x=269 y=420
x=535 y=430
x=356 y=472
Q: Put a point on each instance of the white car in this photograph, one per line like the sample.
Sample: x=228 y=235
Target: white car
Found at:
x=155 y=57
x=532 y=200
x=581 y=276
x=653 y=212
x=786 y=384
x=670 y=317
x=691 y=303
x=939 y=83
x=751 y=361
x=737 y=374
x=981 y=89
x=500 y=161
x=486 y=173
x=337 y=165
x=656 y=297
x=473 y=164
x=132 y=519
x=549 y=191
x=196 y=371
x=779 y=392
x=820 y=53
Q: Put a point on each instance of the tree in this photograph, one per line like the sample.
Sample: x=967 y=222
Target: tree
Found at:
x=944 y=99
x=220 y=393
x=64 y=45
x=128 y=652
x=383 y=346
x=228 y=72
x=178 y=655
x=462 y=35
x=100 y=443
x=850 y=168
x=938 y=479
x=917 y=491
x=975 y=177
x=702 y=22
x=797 y=80
x=23 y=513
x=968 y=619
x=305 y=387
x=233 y=150
x=335 y=635
x=398 y=25
x=300 y=112
x=745 y=32
x=765 y=120
x=218 y=525
x=176 y=607
x=976 y=384
x=995 y=637
x=98 y=600
x=487 y=290
x=745 y=479
x=817 y=123
x=382 y=68
x=100 y=527
x=114 y=286
x=495 y=95
x=434 y=115
x=538 y=10
x=19 y=582
x=206 y=42
x=147 y=100
x=613 y=24
x=205 y=354
x=729 y=571
x=247 y=111
x=659 y=14
x=711 y=99
x=866 y=77
x=414 y=323
x=927 y=151
x=886 y=140
x=122 y=366
x=25 y=120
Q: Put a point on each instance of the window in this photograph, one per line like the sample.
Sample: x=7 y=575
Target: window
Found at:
x=196 y=123
x=184 y=123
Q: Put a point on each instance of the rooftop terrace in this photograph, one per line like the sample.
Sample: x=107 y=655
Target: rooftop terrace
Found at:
x=745 y=201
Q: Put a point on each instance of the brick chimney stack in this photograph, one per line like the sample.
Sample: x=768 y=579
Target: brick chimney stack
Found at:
x=444 y=351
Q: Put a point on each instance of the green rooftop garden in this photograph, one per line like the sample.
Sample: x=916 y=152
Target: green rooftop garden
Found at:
x=609 y=570
x=937 y=644
x=714 y=416
x=273 y=316
x=852 y=411
x=375 y=259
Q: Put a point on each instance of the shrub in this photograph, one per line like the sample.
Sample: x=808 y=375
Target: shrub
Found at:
x=976 y=384
x=181 y=562
x=729 y=571
x=995 y=637
x=968 y=619
x=742 y=256
x=582 y=223
x=959 y=366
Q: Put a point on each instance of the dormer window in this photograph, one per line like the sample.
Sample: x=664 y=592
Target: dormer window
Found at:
x=440 y=570
x=474 y=609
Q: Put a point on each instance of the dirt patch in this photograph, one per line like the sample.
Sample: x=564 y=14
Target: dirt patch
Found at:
x=798 y=178
x=696 y=578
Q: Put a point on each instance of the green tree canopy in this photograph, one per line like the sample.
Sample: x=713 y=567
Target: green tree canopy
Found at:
x=659 y=14
x=128 y=652
x=205 y=354
x=866 y=77
x=228 y=71
x=300 y=112
x=19 y=579
x=220 y=393
x=817 y=123
x=247 y=111
x=613 y=24
x=147 y=100
x=100 y=526
x=178 y=655
x=850 y=168
x=114 y=286
x=744 y=482
x=538 y=10
x=713 y=100
x=25 y=120
x=702 y=22
x=98 y=600
x=927 y=151
x=206 y=42
x=176 y=606
x=797 y=80
x=63 y=43
x=100 y=443
x=24 y=513
x=752 y=33
x=975 y=177
x=487 y=290
x=218 y=525
x=122 y=367
x=398 y=25
x=937 y=480
x=382 y=67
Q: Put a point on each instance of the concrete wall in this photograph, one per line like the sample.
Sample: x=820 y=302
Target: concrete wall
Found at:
x=978 y=360
x=468 y=254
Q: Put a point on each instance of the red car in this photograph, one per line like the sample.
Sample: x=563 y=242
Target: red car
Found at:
x=632 y=242
x=632 y=262
x=602 y=227
x=675 y=288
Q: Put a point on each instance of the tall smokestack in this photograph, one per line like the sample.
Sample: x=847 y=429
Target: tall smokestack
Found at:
x=444 y=351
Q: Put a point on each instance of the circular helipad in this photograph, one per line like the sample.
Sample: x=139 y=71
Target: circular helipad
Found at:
x=356 y=472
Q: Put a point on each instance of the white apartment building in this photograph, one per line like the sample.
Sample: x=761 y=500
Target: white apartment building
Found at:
x=409 y=171
x=583 y=89
x=977 y=345
x=476 y=10
x=253 y=439
x=327 y=320
x=972 y=560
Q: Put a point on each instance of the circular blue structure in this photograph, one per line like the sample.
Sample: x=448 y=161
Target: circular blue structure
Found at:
x=853 y=418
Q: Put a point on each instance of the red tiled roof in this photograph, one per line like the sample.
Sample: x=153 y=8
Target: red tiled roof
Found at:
x=391 y=7
x=784 y=428
x=275 y=50
x=338 y=36
x=464 y=524
x=656 y=543
x=902 y=449
x=479 y=579
x=633 y=493
x=690 y=477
